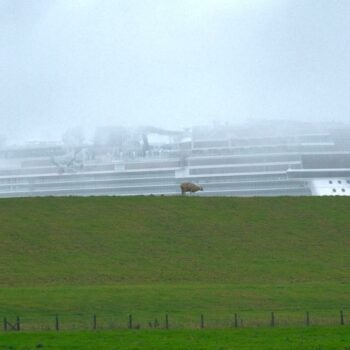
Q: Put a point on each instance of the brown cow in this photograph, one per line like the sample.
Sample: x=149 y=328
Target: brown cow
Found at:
x=189 y=187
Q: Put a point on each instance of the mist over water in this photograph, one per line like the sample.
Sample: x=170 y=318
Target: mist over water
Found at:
x=85 y=64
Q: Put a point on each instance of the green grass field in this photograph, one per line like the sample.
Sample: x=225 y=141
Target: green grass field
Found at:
x=149 y=256
x=317 y=338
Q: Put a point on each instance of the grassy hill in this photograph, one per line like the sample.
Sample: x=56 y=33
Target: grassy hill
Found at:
x=155 y=254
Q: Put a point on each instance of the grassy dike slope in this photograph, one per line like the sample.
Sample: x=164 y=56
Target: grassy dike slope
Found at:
x=155 y=254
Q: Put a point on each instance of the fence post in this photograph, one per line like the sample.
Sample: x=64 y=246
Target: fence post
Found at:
x=166 y=321
x=57 y=324
x=130 y=322
x=236 y=321
x=307 y=318
x=94 y=322
x=202 y=321
x=342 y=318
x=272 y=319
x=18 y=324
x=5 y=324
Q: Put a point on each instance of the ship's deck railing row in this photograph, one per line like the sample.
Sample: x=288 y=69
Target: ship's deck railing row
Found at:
x=67 y=180
x=317 y=173
x=235 y=168
x=159 y=191
x=233 y=159
x=146 y=186
x=261 y=149
x=270 y=154
x=149 y=172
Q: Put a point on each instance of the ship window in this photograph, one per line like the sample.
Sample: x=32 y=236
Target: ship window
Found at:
x=334 y=190
x=330 y=182
x=343 y=189
x=348 y=181
x=339 y=182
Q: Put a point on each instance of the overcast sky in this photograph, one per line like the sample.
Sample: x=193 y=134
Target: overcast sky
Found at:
x=171 y=63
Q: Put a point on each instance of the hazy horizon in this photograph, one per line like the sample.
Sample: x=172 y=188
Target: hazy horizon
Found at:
x=172 y=64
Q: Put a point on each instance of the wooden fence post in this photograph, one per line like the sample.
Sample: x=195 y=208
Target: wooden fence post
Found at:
x=202 y=321
x=57 y=324
x=5 y=324
x=272 y=319
x=18 y=324
x=166 y=321
x=307 y=318
x=94 y=322
x=236 y=321
x=342 y=318
x=130 y=322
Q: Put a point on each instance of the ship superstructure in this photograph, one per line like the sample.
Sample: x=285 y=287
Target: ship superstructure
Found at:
x=257 y=159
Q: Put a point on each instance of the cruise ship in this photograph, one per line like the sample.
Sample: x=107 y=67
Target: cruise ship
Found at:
x=276 y=158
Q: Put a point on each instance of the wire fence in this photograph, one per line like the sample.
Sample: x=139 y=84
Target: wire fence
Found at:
x=66 y=322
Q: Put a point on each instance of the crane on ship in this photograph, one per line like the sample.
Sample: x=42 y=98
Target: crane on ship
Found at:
x=145 y=131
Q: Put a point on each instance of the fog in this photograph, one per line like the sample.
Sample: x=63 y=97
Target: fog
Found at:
x=171 y=64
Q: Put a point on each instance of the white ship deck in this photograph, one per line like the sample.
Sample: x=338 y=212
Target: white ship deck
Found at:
x=264 y=166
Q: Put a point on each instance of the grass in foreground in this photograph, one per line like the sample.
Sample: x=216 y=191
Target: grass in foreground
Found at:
x=312 y=338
